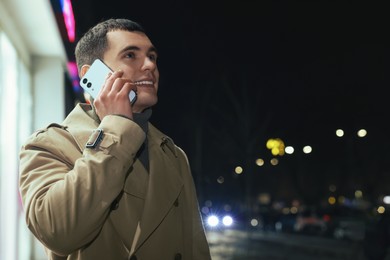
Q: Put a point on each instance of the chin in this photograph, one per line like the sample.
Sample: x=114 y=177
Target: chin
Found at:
x=146 y=99
x=142 y=104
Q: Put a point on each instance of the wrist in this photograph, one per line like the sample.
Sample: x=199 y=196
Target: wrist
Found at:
x=123 y=116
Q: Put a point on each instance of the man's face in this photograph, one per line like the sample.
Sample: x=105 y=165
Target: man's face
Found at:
x=135 y=55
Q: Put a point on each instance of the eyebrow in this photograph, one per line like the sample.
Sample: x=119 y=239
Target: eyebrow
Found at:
x=136 y=48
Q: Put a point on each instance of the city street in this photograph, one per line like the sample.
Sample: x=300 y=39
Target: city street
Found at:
x=234 y=244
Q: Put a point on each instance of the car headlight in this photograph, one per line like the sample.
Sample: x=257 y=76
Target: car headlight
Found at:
x=212 y=221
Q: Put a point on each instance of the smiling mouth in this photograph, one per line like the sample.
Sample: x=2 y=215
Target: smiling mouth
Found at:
x=143 y=83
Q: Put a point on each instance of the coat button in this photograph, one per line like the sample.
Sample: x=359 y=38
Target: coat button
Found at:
x=176 y=203
x=178 y=256
x=133 y=257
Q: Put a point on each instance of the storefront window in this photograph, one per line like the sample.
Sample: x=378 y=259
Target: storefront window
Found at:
x=15 y=124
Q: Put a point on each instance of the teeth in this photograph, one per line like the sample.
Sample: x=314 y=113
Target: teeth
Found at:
x=144 y=82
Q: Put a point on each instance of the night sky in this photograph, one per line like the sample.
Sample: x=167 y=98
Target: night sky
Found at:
x=235 y=73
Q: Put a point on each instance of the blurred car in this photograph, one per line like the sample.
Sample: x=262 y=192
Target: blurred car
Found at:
x=310 y=223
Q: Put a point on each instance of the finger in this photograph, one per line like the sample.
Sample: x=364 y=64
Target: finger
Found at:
x=120 y=83
x=127 y=87
x=110 y=80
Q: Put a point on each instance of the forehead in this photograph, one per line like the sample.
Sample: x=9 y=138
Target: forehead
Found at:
x=119 y=40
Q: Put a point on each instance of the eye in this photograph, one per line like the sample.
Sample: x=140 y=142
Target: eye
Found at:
x=153 y=57
x=130 y=55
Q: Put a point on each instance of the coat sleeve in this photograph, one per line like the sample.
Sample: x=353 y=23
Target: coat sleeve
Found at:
x=67 y=193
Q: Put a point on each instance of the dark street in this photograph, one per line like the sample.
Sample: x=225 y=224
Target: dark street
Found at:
x=235 y=244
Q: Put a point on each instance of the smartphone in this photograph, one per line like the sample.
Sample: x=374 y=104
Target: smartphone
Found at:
x=94 y=78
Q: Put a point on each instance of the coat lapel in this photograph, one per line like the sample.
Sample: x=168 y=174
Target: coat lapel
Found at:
x=165 y=183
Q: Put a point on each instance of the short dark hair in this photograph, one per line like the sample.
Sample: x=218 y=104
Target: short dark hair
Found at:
x=93 y=44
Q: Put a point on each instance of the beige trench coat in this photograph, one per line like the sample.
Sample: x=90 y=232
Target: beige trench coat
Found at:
x=84 y=203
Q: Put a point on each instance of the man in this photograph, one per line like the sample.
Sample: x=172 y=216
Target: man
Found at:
x=130 y=195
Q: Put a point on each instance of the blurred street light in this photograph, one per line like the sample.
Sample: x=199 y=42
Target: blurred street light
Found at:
x=289 y=150
x=307 y=149
x=238 y=170
x=259 y=162
x=276 y=145
x=362 y=133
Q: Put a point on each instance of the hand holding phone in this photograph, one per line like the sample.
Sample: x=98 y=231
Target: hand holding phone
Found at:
x=94 y=79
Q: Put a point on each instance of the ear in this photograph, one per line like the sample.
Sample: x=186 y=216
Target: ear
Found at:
x=84 y=70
